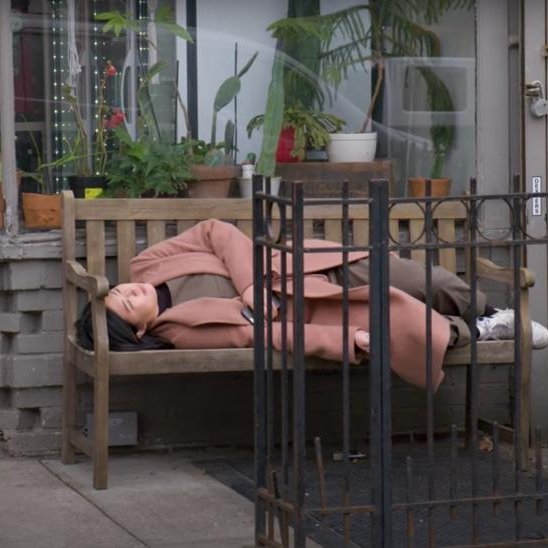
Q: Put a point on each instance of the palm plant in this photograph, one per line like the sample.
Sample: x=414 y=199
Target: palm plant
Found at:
x=359 y=37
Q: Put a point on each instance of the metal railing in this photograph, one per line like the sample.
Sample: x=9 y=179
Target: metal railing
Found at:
x=392 y=497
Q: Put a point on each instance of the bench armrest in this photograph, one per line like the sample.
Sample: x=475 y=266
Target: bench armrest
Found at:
x=94 y=284
x=97 y=287
x=488 y=269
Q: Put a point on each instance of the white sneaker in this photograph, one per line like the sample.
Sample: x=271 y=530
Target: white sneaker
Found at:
x=500 y=326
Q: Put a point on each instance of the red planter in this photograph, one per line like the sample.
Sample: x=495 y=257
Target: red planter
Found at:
x=285 y=146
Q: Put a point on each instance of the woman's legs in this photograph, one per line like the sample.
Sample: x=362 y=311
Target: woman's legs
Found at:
x=451 y=296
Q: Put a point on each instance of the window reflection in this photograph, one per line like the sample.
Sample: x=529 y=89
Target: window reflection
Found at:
x=47 y=34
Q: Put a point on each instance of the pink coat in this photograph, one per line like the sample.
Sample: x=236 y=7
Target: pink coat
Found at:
x=215 y=247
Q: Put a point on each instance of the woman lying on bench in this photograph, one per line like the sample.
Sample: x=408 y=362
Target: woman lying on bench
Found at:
x=189 y=291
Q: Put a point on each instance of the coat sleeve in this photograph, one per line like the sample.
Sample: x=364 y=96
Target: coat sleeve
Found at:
x=322 y=341
x=233 y=248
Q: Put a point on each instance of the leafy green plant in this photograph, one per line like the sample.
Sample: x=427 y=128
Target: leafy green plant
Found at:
x=199 y=151
x=213 y=153
x=312 y=128
x=226 y=93
x=222 y=153
x=442 y=135
x=147 y=167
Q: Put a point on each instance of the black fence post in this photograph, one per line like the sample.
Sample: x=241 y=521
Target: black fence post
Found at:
x=299 y=407
x=379 y=363
x=259 y=360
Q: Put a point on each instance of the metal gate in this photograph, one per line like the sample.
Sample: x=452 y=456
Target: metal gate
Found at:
x=469 y=483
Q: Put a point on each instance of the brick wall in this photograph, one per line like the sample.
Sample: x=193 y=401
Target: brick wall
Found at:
x=193 y=409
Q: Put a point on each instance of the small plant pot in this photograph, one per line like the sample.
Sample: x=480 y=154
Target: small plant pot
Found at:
x=352 y=147
x=41 y=211
x=87 y=187
x=286 y=142
x=212 y=181
x=246 y=186
x=416 y=187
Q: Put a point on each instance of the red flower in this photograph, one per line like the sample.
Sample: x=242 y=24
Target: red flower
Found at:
x=110 y=69
x=116 y=118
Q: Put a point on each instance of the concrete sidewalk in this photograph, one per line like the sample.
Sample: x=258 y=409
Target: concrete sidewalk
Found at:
x=153 y=500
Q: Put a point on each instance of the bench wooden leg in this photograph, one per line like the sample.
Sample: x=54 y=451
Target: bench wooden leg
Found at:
x=100 y=431
x=68 y=452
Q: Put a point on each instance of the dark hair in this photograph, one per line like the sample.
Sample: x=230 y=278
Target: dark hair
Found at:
x=121 y=335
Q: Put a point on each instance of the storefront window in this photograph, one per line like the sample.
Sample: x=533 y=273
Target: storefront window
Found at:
x=424 y=111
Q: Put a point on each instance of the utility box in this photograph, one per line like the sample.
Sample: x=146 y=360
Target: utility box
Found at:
x=122 y=428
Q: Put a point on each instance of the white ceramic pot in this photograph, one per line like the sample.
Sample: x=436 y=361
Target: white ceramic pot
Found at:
x=246 y=186
x=247 y=171
x=352 y=147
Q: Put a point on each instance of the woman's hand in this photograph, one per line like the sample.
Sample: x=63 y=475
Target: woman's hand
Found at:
x=247 y=298
x=361 y=339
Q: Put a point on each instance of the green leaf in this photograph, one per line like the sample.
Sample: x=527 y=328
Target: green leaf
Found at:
x=273 y=119
x=177 y=30
x=154 y=70
x=247 y=66
x=163 y=14
x=107 y=15
x=163 y=17
x=226 y=93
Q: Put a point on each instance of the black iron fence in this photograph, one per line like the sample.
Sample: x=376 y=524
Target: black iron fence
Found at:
x=471 y=482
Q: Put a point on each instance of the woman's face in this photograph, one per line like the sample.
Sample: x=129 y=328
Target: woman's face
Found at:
x=135 y=303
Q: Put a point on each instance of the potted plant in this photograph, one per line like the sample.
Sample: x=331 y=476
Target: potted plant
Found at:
x=40 y=205
x=301 y=129
x=213 y=164
x=442 y=135
x=146 y=167
x=88 y=149
x=360 y=37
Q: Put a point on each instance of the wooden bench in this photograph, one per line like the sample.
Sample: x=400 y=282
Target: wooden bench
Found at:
x=115 y=229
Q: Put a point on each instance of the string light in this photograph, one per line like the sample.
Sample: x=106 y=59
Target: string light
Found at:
x=58 y=77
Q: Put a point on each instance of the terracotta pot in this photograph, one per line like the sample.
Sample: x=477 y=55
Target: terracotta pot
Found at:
x=41 y=210
x=416 y=187
x=212 y=181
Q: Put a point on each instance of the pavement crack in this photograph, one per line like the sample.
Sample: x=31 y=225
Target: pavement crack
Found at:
x=94 y=504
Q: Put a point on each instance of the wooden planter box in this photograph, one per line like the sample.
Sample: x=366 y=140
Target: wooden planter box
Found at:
x=321 y=178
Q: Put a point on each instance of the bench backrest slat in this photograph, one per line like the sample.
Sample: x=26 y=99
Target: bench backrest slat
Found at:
x=416 y=235
x=447 y=233
x=156 y=232
x=333 y=230
x=125 y=231
x=246 y=227
x=360 y=232
x=95 y=245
